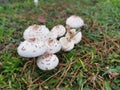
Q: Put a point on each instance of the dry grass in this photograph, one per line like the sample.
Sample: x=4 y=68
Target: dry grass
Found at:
x=94 y=64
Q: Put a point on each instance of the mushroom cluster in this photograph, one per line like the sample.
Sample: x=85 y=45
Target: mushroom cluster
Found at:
x=44 y=43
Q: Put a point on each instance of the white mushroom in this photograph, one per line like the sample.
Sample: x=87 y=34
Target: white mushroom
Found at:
x=36 y=2
x=31 y=48
x=36 y=31
x=77 y=38
x=53 y=45
x=47 y=61
x=74 y=22
x=58 y=30
x=74 y=36
x=66 y=44
x=70 y=33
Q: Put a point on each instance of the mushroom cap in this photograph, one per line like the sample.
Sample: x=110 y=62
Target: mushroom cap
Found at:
x=77 y=38
x=47 y=61
x=58 y=30
x=36 y=2
x=31 y=48
x=36 y=31
x=74 y=21
x=70 y=33
x=66 y=44
x=53 y=45
x=51 y=36
x=74 y=36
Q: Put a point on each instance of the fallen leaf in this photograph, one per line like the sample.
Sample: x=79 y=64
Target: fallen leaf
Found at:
x=41 y=20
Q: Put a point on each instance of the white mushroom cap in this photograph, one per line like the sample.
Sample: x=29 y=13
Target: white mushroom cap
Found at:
x=74 y=36
x=77 y=38
x=36 y=31
x=36 y=2
x=70 y=33
x=74 y=21
x=58 y=30
x=53 y=45
x=66 y=44
x=31 y=48
x=47 y=61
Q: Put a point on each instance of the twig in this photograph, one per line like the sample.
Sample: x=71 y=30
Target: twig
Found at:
x=63 y=75
x=25 y=66
x=51 y=77
x=75 y=73
x=6 y=48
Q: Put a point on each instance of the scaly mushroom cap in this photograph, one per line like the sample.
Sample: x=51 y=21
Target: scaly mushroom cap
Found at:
x=47 y=61
x=74 y=36
x=53 y=45
x=74 y=21
x=58 y=30
x=36 y=31
x=77 y=38
x=71 y=33
x=66 y=44
x=31 y=48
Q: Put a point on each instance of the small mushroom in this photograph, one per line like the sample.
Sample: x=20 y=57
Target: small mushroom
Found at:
x=58 y=30
x=77 y=38
x=70 y=33
x=74 y=36
x=36 y=2
x=66 y=44
x=47 y=61
x=31 y=48
x=53 y=45
x=36 y=31
x=74 y=22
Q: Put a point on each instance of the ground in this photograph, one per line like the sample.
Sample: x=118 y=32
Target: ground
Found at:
x=94 y=63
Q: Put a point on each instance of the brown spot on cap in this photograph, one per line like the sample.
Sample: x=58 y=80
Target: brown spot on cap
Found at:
x=75 y=16
x=36 y=46
x=50 y=41
x=35 y=27
x=55 y=45
x=46 y=55
x=23 y=49
x=48 y=63
x=51 y=49
x=31 y=40
x=42 y=63
x=57 y=26
x=44 y=36
x=54 y=60
x=47 y=60
x=34 y=51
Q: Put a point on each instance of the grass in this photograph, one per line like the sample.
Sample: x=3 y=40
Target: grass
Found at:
x=94 y=64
